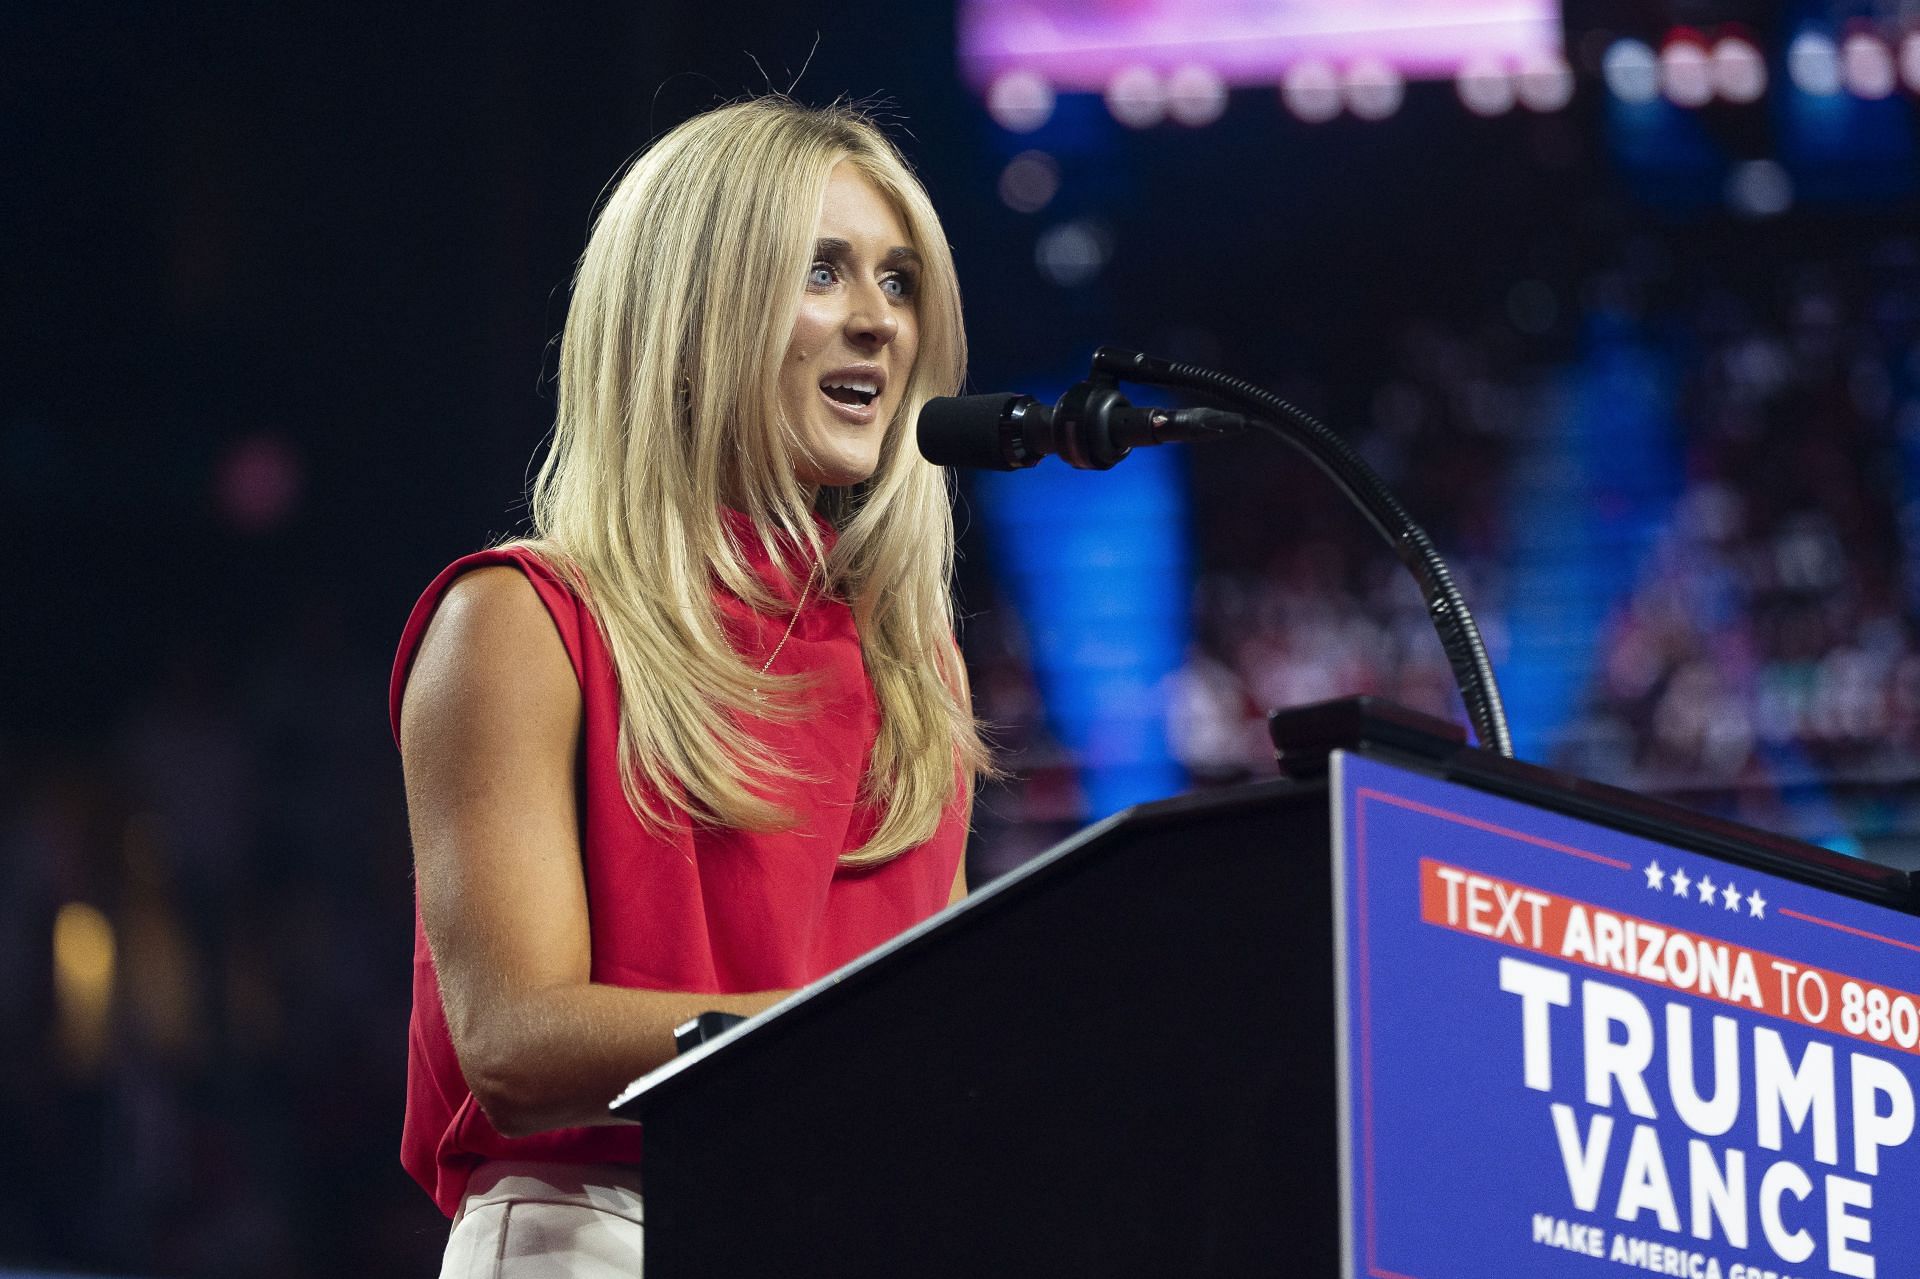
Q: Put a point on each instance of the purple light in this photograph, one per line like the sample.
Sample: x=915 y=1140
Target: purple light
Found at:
x=1136 y=97
x=1311 y=91
x=1739 y=72
x=1020 y=101
x=1373 y=89
x=1866 y=66
x=1485 y=87
x=1029 y=182
x=1684 y=74
x=1196 y=95
x=1082 y=44
x=1545 y=83
x=257 y=485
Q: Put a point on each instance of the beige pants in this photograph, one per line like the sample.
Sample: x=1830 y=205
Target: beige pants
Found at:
x=546 y=1220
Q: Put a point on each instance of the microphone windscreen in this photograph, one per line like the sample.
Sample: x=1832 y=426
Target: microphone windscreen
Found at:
x=964 y=430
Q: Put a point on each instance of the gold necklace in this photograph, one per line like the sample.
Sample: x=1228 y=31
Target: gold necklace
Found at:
x=792 y=621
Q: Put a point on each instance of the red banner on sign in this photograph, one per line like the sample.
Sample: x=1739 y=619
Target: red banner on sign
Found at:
x=1564 y=928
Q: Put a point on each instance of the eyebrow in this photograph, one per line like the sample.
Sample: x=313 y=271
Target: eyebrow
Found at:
x=835 y=249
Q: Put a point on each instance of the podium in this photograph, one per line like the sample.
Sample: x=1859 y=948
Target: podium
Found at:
x=1316 y=1026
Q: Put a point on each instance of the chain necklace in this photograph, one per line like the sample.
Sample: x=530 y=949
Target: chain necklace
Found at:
x=792 y=621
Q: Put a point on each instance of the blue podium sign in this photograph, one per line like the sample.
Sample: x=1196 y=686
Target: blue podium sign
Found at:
x=1568 y=1051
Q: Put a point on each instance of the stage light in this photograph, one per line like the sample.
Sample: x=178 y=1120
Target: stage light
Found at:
x=1813 y=64
x=1311 y=91
x=1544 y=83
x=1631 y=71
x=1030 y=181
x=1020 y=101
x=1136 y=97
x=1738 y=71
x=83 y=976
x=1485 y=87
x=258 y=482
x=1910 y=61
x=1196 y=95
x=1759 y=189
x=1072 y=253
x=1866 y=66
x=1684 y=75
x=1373 y=89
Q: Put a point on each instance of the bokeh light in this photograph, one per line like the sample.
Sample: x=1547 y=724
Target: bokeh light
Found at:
x=1311 y=91
x=1544 y=83
x=1739 y=72
x=1684 y=75
x=1632 y=72
x=1759 y=189
x=1030 y=181
x=1373 y=89
x=1485 y=86
x=1866 y=66
x=1196 y=95
x=83 y=977
x=1073 y=253
x=1020 y=101
x=257 y=484
x=1813 y=64
x=1137 y=97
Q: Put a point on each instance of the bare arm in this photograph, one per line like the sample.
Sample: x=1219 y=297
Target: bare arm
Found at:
x=965 y=692
x=490 y=733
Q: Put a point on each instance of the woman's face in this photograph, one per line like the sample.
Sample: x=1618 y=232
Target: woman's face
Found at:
x=855 y=338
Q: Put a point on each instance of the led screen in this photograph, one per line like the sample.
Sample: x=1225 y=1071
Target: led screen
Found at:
x=1080 y=44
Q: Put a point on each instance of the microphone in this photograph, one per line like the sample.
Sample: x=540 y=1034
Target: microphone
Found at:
x=1092 y=428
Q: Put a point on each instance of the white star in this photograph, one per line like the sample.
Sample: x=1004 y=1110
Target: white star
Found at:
x=1706 y=890
x=1731 y=896
x=1655 y=876
x=1757 y=904
x=1681 y=883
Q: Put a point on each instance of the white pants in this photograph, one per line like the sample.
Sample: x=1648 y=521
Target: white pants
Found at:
x=546 y=1220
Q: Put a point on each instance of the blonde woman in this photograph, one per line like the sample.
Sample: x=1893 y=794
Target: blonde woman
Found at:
x=703 y=736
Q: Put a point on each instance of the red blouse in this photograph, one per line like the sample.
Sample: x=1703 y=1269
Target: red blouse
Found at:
x=702 y=910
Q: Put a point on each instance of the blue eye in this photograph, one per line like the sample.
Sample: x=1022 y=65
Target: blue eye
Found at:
x=899 y=286
x=820 y=276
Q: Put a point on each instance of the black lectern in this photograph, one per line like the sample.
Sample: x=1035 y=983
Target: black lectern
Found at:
x=1119 y=1060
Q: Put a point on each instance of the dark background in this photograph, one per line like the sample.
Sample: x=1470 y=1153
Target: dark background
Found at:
x=280 y=288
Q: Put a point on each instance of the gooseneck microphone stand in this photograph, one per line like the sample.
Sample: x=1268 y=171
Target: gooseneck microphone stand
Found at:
x=1452 y=621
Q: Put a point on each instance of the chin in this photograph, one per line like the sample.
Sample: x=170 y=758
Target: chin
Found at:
x=834 y=468
x=837 y=477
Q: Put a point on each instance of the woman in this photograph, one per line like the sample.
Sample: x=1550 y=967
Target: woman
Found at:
x=704 y=736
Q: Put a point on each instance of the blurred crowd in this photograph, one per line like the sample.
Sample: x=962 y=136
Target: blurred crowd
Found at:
x=1758 y=655
x=1298 y=600
x=205 y=932
x=1766 y=653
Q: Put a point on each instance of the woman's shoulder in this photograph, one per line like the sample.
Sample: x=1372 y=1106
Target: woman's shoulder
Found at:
x=498 y=615
x=492 y=603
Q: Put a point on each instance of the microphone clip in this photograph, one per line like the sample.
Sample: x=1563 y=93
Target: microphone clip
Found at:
x=1092 y=427
x=1089 y=424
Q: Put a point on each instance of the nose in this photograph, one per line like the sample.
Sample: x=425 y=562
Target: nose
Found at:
x=871 y=323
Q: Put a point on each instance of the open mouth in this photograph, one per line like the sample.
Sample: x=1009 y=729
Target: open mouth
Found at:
x=854 y=392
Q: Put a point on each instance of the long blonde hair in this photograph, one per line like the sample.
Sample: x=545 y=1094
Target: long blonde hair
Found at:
x=682 y=308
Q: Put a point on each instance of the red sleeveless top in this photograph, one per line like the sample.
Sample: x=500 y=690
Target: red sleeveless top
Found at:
x=702 y=910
